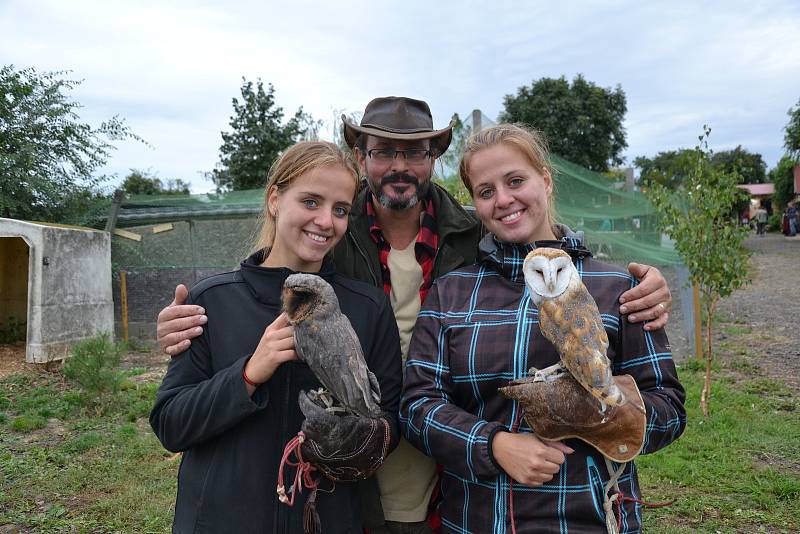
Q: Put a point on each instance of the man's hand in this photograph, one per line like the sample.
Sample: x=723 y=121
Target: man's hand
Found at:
x=651 y=300
x=527 y=459
x=178 y=323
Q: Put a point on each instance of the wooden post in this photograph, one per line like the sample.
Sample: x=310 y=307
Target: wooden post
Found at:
x=123 y=300
x=698 y=336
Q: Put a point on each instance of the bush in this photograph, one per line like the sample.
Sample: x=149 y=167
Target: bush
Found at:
x=775 y=222
x=94 y=368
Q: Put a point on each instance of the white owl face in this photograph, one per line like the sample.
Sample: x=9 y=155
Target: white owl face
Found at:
x=547 y=277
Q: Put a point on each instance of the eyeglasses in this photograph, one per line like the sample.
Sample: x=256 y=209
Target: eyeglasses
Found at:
x=412 y=155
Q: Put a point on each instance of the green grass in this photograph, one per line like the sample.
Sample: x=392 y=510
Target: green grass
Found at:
x=68 y=464
x=75 y=459
x=736 y=471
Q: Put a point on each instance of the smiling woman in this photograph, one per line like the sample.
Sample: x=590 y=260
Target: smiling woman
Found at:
x=230 y=402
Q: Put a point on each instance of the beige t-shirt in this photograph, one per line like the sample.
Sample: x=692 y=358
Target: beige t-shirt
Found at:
x=407 y=477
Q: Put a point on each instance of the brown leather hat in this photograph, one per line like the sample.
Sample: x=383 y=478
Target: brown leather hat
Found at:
x=398 y=117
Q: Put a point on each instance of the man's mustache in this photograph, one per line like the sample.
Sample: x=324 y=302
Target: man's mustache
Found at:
x=399 y=177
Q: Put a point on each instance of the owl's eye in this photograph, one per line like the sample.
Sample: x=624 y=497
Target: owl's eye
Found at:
x=559 y=270
x=540 y=272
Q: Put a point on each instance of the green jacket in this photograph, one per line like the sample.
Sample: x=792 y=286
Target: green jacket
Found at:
x=356 y=255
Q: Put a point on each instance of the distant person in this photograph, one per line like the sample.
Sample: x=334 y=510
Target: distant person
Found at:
x=761 y=221
x=791 y=215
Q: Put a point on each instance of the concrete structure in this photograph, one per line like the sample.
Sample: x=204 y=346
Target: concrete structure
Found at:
x=56 y=280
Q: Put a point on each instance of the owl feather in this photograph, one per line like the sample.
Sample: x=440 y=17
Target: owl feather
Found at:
x=570 y=320
x=326 y=341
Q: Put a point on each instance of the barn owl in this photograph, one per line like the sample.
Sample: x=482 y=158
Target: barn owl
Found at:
x=326 y=341
x=570 y=320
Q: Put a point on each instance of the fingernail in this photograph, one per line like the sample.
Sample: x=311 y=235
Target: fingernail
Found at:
x=571 y=450
x=201 y=311
x=633 y=318
x=204 y=319
x=622 y=300
x=198 y=330
x=623 y=309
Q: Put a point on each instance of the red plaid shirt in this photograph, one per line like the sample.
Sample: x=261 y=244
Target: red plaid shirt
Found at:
x=425 y=247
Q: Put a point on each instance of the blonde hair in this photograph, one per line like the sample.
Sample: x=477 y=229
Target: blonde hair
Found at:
x=298 y=159
x=529 y=142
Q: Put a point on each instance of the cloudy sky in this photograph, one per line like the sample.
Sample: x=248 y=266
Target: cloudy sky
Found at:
x=170 y=68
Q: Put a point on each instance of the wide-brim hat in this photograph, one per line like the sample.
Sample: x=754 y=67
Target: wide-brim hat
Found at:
x=398 y=117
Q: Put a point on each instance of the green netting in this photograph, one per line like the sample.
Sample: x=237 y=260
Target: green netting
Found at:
x=213 y=231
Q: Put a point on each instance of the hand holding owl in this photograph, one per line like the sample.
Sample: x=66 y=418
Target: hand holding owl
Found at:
x=275 y=347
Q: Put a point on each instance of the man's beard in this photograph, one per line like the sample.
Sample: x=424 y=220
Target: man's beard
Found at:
x=399 y=204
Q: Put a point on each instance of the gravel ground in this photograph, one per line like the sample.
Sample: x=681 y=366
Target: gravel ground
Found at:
x=764 y=305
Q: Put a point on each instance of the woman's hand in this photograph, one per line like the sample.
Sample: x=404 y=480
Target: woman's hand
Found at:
x=276 y=347
x=527 y=459
x=651 y=300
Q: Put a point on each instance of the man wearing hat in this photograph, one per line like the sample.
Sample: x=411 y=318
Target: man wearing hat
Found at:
x=404 y=231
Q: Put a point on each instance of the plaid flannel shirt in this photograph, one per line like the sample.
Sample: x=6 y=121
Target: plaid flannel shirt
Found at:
x=476 y=331
x=425 y=247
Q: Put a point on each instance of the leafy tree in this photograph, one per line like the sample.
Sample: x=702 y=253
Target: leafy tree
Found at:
x=750 y=166
x=582 y=122
x=792 y=137
x=48 y=157
x=708 y=238
x=257 y=138
x=668 y=168
x=449 y=161
x=671 y=167
x=782 y=176
x=142 y=183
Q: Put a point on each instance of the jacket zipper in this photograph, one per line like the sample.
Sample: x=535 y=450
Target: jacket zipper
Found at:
x=283 y=510
x=366 y=258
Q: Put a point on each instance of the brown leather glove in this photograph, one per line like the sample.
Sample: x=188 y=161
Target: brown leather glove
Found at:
x=346 y=447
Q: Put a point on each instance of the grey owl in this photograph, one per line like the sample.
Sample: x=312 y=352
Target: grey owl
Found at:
x=570 y=320
x=326 y=341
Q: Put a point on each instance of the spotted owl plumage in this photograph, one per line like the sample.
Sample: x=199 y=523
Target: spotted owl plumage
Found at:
x=570 y=320
x=326 y=341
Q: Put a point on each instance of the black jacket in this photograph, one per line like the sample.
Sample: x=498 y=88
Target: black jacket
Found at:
x=233 y=443
x=356 y=255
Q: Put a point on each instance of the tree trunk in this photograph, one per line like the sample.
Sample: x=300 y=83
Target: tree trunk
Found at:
x=705 y=394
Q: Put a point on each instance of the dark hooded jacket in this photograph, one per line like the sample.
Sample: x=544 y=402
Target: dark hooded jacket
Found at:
x=233 y=443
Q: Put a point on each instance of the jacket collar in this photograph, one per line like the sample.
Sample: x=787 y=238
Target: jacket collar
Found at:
x=266 y=282
x=507 y=258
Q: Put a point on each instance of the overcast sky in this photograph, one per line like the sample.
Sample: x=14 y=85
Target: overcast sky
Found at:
x=171 y=68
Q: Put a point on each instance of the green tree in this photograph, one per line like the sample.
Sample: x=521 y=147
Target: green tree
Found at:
x=668 y=168
x=782 y=176
x=48 y=157
x=700 y=217
x=257 y=138
x=581 y=121
x=449 y=161
x=792 y=133
x=143 y=183
x=750 y=166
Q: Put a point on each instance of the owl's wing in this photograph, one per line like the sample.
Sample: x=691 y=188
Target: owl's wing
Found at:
x=586 y=356
x=333 y=352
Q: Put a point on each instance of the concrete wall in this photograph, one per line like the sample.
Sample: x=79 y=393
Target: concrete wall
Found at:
x=69 y=286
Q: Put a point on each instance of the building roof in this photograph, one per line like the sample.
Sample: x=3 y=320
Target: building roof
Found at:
x=759 y=190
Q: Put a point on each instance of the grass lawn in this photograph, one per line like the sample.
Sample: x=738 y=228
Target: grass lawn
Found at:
x=75 y=457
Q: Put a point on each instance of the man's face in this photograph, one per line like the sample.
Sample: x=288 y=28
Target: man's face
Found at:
x=398 y=183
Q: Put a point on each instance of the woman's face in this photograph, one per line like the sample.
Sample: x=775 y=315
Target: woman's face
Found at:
x=310 y=217
x=511 y=197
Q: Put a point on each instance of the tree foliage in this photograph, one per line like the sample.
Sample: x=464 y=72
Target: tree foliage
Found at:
x=449 y=161
x=48 y=157
x=700 y=217
x=792 y=133
x=581 y=121
x=257 y=138
x=671 y=167
x=750 y=166
x=782 y=176
x=143 y=183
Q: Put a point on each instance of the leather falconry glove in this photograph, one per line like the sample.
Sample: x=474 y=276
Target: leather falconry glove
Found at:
x=345 y=447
